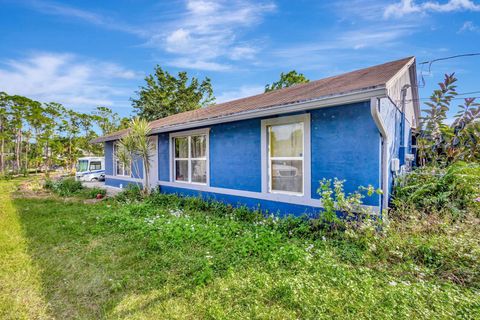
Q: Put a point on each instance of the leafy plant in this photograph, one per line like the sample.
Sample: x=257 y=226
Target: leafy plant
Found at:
x=137 y=144
x=92 y=193
x=65 y=187
x=355 y=219
x=441 y=144
x=132 y=193
x=455 y=189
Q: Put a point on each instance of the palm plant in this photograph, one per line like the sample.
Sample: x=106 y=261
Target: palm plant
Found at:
x=137 y=145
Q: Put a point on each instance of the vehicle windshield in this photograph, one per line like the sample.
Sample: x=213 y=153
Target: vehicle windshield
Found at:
x=82 y=165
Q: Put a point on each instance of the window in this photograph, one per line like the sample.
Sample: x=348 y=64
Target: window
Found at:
x=120 y=168
x=82 y=165
x=190 y=158
x=286 y=158
x=286 y=163
x=95 y=165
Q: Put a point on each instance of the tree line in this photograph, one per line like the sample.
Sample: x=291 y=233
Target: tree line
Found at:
x=37 y=136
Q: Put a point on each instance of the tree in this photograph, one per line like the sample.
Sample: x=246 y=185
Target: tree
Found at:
x=3 y=129
x=107 y=120
x=165 y=94
x=286 y=80
x=137 y=144
x=443 y=144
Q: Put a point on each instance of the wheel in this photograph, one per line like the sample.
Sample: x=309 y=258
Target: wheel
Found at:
x=94 y=179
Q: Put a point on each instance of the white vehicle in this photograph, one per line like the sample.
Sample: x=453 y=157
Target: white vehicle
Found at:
x=90 y=169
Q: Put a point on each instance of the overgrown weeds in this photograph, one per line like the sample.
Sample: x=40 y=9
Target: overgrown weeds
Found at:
x=454 y=190
x=68 y=187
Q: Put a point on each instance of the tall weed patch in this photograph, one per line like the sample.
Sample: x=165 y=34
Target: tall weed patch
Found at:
x=454 y=190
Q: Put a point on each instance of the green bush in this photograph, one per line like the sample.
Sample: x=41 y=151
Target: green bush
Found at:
x=49 y=184
x=455 y=189
x=7 y=175
x=132 y=193
x=92 y=193
x=65 y=187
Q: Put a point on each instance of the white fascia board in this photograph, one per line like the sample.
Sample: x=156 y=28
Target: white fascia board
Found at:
x=330 y=101
x=124 y=178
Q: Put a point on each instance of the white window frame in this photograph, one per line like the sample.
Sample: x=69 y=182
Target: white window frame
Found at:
x=115 y=165
x=189 y=159
x=266 y=159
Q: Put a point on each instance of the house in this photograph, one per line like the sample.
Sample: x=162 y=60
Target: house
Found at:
x=271 y=150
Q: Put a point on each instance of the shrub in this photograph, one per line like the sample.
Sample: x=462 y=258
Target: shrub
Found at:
x=131 y=193
x=65 y=187
x=92 y=193
x=7 y=175
x=49 y=184
x=454 y=190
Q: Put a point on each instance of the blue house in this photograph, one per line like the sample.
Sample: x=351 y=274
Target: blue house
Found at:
x=272 y=149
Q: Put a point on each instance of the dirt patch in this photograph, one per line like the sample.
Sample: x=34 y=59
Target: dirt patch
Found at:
x=32 y=189
x=92 y=201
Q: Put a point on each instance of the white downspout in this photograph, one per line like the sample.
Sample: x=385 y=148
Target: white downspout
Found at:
x=374 y=104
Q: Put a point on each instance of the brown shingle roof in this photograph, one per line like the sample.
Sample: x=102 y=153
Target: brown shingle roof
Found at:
x=376 y=76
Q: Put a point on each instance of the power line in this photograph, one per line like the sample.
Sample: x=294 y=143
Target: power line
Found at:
x=425 y=99
x=430 y=62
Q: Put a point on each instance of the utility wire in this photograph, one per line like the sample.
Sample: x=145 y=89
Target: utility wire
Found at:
x=430 y=62
x=426 y=99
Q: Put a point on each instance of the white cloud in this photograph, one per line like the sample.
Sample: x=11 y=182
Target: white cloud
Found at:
x=204 y=36
x=406 y=7
x=242 y=53
x=210 y=30
x=57 y=9
x=65 y=78
x=469 y=26
x=191 y=63
x=242 y=92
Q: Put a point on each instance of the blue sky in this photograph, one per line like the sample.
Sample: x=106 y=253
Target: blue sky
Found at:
x=89 y=53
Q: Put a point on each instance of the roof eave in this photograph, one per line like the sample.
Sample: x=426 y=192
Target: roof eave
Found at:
x=322 y=102
x=326 y=101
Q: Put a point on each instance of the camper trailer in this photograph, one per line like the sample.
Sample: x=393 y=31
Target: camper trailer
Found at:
x=90 y=169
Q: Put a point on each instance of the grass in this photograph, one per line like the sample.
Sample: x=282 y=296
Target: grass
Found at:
x=172 y=259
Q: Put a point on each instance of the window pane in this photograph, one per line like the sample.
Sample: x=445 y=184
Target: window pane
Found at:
x=95 y=165
x=127 y=171
x=181 y=170
x=181 y=147
x=199 y=171
x=286 y=140
x=119 y=168
x=287 y=175
x=199 y=146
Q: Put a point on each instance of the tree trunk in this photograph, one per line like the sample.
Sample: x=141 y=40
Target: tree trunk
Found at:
x=18 y=150
x=2 y=155
x=47 y=160
x=27 y=150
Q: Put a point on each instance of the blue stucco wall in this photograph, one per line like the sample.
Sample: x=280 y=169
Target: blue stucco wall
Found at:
x=272 y=207
x=235 y=155
x=108 y=146
x=119 y=183
x=345 y=143
x=137 y=168
x=163 y=157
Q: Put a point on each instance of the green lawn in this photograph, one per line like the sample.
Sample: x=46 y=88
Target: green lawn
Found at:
x=158 y=260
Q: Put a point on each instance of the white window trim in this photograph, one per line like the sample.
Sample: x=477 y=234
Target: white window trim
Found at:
x=284 y=195
x=183 y=134
x=114 y=156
